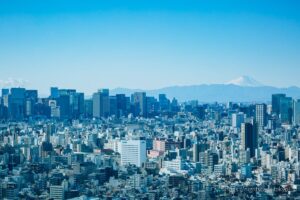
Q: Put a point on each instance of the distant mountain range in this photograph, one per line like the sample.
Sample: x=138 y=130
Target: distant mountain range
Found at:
x=242 y=89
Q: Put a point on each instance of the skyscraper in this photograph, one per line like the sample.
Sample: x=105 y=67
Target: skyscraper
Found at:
x=164 y=102
x=139 y=101
x=249 y=137
x=54 y=92
x=101 y=103
x=121 y=105
x=76 y=104
x=286 y=110
x=296 y=112
x=64 y=106
x=261 y=115
x=276 y=102
x=17 y=103
x=31 y=97
x=196 y=152
x=88 y=108
x=113 y=105
x=5 y=92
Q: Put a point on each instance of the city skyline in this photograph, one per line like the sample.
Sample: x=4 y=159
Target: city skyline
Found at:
x=150 y=100
x=90 y=45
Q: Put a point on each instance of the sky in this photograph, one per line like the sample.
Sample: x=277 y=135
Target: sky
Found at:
x=94 y=44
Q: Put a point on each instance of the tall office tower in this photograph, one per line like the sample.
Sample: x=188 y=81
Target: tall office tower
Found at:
x=152 y=105
x=42 y=108
x=64 y=106
x=139 y=101
x=296 y=112
x=249 y=137
x=16 y=103
x=174 y=105
x=49 y=131
x=133 y=152
x=196 y=152
x=113 y=105
x=237 y=119
x=121 y=105
x=31 y=98
x=4 y=104
x=276 y=103
x=80 y=97
x=4 y=92
x=101 y=103
x=88 y=108
x=286 y=110
x=261 y=115
x=164 y=102
x=54 y=92
x=76 y=104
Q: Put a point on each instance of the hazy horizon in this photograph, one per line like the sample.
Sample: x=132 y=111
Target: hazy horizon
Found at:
x=147 y=45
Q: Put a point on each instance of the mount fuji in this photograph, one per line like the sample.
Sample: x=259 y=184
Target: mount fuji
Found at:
x=242 y=89
x=245 y=81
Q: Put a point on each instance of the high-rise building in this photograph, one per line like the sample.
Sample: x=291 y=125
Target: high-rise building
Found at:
x=101 y=103
x=249 y=137
x=195 y=152
x=152 y=105
x=54 y=92
x=16 y=103
x=4 y=112
x=164 y=102
x=4 y=92
x=121 y=105
x=139 y=101
x=286 y=110
x=76 y=104
x=31 y=98
x=296 y=112
x=261 y=115
x=88 y=108
x=276 y=103
x=64 y=106
x=133 y=152
x=113 y=106
x=237 y=119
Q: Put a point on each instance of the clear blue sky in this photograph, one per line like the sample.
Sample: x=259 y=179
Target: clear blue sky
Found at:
x=91 y=44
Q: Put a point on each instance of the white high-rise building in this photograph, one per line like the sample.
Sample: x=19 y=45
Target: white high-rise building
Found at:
x=133 y=152
x=296 y=112
x=237 y=119
x=261 y=115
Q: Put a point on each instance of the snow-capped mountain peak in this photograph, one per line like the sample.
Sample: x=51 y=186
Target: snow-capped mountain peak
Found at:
x=245 y=81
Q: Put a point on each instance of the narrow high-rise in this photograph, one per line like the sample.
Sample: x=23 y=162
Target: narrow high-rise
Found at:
x=101 y=103
x=261 y=115
x=139 y=101
x=296 y=112
x=249 y=137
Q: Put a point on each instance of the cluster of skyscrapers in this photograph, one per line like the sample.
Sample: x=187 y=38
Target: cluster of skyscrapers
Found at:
x=139 y=147
x=19 y=104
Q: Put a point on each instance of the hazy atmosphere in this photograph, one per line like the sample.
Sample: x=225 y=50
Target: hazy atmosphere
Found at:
x=94 y=44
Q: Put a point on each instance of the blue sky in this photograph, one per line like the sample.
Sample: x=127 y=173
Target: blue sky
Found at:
x=148 y=44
